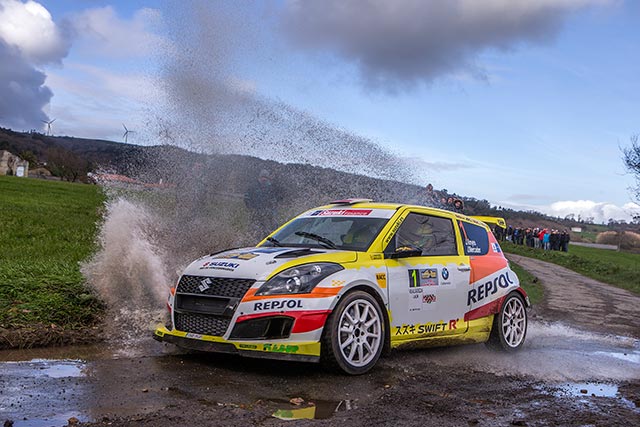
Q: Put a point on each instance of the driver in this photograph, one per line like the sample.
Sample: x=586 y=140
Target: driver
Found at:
x=418 y=237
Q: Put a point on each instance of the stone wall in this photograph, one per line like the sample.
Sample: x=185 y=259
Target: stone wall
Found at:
x=11 y=164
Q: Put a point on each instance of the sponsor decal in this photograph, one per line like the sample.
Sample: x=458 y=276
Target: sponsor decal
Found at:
x=489 y=287
x=342 y=212
x=281 y=348
x=205 y=284
x=376 y=256
x=381 y=278
x=245 y=256
x=415 y=299
x=248 y=346
x=277 y=304
x=194 y=336
x=472 y=247
x=423 y=277
x=428 y=299
x=445 y=273
x=496 y=247
x=426 y=328
x=393 y=230
x=337 y=282
x=219 y=265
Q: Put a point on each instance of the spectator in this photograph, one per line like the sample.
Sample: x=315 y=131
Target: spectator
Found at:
x=545 y=240
x=564 y=241
x=458 y=205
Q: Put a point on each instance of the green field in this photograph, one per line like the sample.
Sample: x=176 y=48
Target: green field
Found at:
x=46 y=229
x=529 y=283
x=620 y=269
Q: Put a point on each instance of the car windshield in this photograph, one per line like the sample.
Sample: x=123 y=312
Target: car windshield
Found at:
x=346 y=233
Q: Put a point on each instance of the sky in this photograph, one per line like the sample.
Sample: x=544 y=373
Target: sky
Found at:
x=525 y=103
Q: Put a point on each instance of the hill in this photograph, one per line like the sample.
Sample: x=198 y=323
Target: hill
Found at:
x=72 y=158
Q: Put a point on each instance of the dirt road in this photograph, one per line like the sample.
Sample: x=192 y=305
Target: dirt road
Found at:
x=584 y=302
x=574 y=370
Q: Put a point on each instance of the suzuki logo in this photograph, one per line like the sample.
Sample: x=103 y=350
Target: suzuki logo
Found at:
x=204 y=284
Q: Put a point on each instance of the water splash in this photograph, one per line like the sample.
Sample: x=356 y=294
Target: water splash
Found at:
x=555 y=353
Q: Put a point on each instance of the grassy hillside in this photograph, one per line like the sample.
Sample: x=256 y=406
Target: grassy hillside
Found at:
x=46 y=228
x=620 y=269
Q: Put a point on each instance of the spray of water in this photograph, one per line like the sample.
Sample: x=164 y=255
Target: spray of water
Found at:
x=555 y=353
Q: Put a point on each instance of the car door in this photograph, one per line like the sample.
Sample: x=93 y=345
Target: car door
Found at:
x=428 y=278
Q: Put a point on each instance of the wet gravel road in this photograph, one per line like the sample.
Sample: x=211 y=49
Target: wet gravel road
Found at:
x=568 y=373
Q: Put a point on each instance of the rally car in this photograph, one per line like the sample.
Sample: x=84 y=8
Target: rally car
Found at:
x=344 y=283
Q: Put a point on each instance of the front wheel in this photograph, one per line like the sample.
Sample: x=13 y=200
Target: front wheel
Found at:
x=354 y=334
x=509 y=325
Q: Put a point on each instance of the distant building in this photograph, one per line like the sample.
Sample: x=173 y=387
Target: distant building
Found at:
x=576 y=229
x=10 y=164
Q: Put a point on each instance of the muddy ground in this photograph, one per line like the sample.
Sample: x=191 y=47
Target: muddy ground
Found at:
x=580 y=366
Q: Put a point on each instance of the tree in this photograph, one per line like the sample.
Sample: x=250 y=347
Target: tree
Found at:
x=631 y=158
x=30 y=157
x=66 y=164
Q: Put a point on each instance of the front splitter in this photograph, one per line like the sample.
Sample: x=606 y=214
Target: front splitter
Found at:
x=279 y=350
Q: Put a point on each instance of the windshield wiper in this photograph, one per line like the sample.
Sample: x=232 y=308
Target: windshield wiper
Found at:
x=274 y=241
x=318 y=238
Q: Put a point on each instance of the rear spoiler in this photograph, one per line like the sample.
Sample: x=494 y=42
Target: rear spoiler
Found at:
x=500 y=222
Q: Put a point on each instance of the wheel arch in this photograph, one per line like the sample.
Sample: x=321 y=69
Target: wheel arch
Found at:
x=375 y=292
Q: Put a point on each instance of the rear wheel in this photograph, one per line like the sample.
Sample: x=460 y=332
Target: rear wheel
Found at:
x=354 y=334
x=509 y=325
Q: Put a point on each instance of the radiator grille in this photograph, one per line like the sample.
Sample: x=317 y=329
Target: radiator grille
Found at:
x=208 y=324
x=220 y=286
x=202 y=323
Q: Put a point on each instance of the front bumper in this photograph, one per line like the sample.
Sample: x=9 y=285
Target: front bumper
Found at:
x=276 y=349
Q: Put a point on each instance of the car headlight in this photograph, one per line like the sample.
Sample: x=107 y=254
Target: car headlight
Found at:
x=298 y=280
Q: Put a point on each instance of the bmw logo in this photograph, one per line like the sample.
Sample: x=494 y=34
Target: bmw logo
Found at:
x=445 y=273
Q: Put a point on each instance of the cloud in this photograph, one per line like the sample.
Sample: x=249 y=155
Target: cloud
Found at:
x=600 y=211
x=95 y=101
x=29 y=39
x=23 y=94
x=397 y=44
x=30 y=29
x=101 y=31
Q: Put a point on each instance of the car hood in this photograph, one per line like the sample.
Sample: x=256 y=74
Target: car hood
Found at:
x=259 y=263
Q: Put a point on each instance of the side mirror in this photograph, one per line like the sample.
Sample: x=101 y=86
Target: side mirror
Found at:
x=405 y=252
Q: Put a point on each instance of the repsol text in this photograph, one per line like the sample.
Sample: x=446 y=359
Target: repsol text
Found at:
x=277 y=304
x=489 y=287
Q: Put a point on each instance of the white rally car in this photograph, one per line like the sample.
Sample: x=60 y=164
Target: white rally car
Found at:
x=345 y=282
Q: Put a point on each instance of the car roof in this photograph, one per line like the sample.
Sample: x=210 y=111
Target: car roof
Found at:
x=356 y=204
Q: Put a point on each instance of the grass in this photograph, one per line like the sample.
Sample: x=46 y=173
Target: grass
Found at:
x=529 y=283
x=46 y=229
x=619 y=269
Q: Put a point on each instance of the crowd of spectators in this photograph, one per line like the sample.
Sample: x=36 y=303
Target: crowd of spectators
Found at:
x=540 y=238
x=439 y=199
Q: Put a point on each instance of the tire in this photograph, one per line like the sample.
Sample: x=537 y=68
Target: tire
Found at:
x=509 y=325
x=354 y=334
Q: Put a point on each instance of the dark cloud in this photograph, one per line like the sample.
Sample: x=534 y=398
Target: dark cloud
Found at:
x=23 y=94
x=397 y=44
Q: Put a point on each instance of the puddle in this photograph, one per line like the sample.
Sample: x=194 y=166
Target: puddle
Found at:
x=583 y=391
x=589 y=389
x=42 y=392
x=54 y=420
x=45 y=368
x=316 y=410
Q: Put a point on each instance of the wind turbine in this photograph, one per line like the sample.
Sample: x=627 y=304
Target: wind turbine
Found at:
x=126 y=133
x=48 y=123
